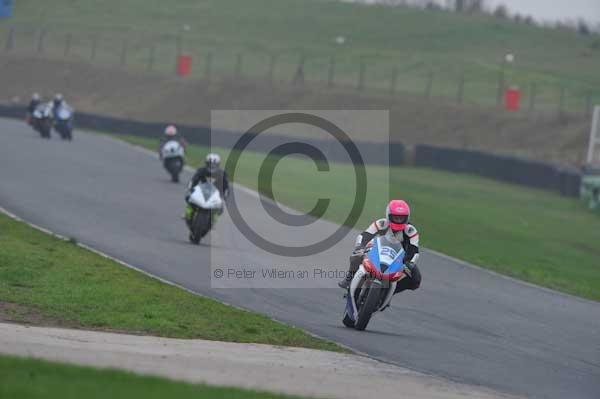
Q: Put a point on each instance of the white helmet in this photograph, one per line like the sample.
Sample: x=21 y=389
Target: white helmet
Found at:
x=36 y=97
x=171 y=130
x=58 y=100
x=213 y=160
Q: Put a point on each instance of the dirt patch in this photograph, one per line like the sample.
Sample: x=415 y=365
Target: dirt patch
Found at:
x=28 y=315
x=16 y=313
x=413 y=120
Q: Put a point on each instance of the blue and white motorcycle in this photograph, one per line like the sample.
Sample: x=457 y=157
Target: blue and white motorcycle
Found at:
x=373 y=285
x=63 y=122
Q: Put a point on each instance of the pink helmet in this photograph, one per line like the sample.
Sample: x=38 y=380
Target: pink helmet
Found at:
x=397 y=214
x=171 y=130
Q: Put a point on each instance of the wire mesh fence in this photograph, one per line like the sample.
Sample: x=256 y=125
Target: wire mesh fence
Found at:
x=463 y=84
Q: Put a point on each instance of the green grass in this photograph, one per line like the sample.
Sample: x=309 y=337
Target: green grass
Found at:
x=30 y=378
x=62 y=281
x=529 y=234
x=415 y=41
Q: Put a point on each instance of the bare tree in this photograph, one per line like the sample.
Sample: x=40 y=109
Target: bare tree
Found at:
x=583 y=28
x=529 y=20
x=501 y=12
x=474 y=6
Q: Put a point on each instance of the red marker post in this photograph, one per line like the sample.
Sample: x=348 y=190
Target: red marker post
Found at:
x=184 y=65
x=512 y=98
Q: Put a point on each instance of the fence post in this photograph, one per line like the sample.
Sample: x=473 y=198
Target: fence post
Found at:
x=394 y=80
x=461 y=89
x=299 y=75
x=208 y=66
x=124 y=52
x=237 y=73
x=178 y=45
x=361 y=76
x=271 y=72
x=429 y=86
x=501 y=84
x=40 y=43
x=94 y=47
x=151 y=53
x=68 y=39
x=588 y=105
x=331 y=73
x=532 y=96
x=561 y=101
x=10 y=40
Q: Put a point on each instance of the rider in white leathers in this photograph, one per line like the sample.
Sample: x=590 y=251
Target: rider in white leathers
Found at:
x=395 y=226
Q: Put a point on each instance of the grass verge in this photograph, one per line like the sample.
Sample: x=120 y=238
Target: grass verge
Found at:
x=46 y=280
x=532 y=235
x=30 y=378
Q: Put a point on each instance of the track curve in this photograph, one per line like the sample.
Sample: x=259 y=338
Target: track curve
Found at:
x=464 y=324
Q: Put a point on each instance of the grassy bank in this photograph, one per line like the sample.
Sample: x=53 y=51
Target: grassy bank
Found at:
x=416 y=42
x=45 y=280
x=30 y=378
x=529 y=234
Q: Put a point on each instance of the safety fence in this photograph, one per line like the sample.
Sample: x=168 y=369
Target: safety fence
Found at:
x=561 y=179
x=468 y=83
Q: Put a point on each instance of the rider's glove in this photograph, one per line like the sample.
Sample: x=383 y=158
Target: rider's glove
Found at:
x=360 y=251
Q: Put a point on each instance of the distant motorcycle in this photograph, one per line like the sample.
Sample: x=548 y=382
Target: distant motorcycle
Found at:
x=172 y=154
x=373 y=285
x=63 y=122
x=41 y=120
x=205 y=200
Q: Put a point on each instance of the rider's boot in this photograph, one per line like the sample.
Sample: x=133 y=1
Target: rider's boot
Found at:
x=213 y=219
x=345 y=282
x=355 y=261
x=188 y=213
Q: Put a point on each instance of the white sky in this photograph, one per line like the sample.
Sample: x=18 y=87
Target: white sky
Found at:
x=541 y=10
x=554 y=9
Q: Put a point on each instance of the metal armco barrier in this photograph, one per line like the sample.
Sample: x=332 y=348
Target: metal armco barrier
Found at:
x=371 y=152
x=561 y=179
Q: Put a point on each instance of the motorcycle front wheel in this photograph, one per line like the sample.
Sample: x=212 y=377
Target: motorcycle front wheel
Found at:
x=369 y=306
x=199 y=227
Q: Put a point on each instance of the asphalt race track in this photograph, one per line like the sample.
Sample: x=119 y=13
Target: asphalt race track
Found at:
x=464 y=323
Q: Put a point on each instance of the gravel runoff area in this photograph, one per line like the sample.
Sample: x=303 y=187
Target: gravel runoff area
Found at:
x=296 y=371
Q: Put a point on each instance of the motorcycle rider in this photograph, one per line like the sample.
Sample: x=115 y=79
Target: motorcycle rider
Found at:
x=57 y=102
x=216 y=175
x=36 y=100
x=171 y=133
x=396 y=226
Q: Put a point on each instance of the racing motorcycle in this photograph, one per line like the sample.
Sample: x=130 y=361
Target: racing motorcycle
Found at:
x=373 y=285
x=41 y=120
x=205 y=200
x=172 y=154
x=63 y=122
